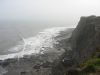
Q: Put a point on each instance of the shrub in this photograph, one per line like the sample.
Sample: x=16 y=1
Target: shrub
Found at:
x=92 y=61
x=89 y=69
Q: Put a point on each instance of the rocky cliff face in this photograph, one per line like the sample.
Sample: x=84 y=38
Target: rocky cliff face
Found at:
x=84 y=42
x=73 y=47
x=86 y=37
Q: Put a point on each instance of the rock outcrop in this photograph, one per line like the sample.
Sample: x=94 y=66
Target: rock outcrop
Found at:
x=84 y=42
x=86 y=38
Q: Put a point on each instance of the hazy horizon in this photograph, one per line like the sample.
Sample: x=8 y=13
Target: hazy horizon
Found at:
x=48 y=12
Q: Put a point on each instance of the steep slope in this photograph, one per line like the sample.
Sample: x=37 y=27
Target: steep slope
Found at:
x=85 y=38
x=84 y=42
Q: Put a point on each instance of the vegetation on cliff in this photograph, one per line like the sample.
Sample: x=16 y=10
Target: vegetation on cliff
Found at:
x=90 y=66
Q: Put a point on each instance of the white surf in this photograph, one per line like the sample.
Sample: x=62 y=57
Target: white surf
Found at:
x=37 y=44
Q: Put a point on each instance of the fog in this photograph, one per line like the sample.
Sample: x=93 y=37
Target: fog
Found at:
x=48 y=12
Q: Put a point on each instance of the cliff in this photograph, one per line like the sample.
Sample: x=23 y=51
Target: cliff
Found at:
x=84 y=43
x=86 y=37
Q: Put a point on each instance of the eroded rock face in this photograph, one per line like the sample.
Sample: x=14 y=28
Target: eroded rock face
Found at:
x=84 y=41
x=86 y=37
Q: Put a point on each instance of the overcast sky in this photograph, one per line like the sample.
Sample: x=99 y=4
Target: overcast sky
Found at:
x=61 y=12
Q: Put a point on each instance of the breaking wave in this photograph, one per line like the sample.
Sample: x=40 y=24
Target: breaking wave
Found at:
x=37 y=44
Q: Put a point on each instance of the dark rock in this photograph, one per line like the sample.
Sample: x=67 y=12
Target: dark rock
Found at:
x=98 y=56
x=67 y=62
x=46 y=64
x=23 y=73
x=86 y=38
x=73 y=72
x=83 y=43
x=4 y=64
x=37 y=66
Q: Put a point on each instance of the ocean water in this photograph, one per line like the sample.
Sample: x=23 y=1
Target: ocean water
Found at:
x=12 y=34
x=17 y=42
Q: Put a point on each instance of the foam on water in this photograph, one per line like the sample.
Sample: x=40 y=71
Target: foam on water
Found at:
x=34 y=45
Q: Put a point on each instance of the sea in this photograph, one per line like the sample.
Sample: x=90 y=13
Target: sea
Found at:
x=21 y=39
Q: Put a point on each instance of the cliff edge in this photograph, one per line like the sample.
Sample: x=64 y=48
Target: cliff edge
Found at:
x=84 y=42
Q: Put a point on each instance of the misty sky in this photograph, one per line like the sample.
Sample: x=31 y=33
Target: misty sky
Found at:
x=61 y=12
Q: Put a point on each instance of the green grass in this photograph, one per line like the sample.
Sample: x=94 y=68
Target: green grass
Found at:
x=90 y=66
x=92 y=61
